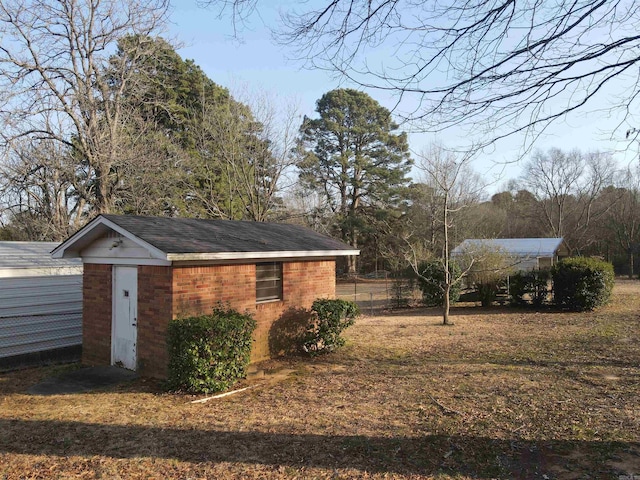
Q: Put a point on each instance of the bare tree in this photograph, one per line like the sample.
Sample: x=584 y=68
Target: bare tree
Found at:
x=311 y=209
x=54 y=86
x=150 y=174
x=255 y=169
x=457 y=187
x=37 y=188
x=566 y=187
x=273 y=173
x=244 y=151
x=238 y=11
x=499 y=66
x=623 y=220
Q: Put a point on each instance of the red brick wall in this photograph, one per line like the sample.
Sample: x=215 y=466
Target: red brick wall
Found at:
x=306 y=281
x=155 y=290
x=197 y=290
x=96 y=314
x=302 y=283
x=171 y=292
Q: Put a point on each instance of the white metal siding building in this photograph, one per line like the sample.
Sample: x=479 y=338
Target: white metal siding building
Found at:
x=527 y=253
x=40 y=301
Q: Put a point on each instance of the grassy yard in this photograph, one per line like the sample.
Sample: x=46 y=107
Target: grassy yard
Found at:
x=501 y=394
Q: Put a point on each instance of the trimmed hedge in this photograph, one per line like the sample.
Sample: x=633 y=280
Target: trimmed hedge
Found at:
x=330 y=319
x=209 y=353
x=431 y=283
x=581 y=283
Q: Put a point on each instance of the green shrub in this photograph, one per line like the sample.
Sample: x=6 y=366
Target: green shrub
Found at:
x=519 y=286
x=540 y=284
x=331 y=318
x=487 y=291
x=533 y=283
x=209 y=353
x=582 y=283
x=431 y=282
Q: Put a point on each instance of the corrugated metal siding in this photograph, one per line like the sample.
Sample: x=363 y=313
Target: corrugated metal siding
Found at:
x=40 y=313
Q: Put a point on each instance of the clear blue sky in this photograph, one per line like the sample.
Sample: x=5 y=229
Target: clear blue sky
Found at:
x=257 y=63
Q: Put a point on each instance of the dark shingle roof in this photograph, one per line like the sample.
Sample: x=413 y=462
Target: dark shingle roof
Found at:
x=190 y=235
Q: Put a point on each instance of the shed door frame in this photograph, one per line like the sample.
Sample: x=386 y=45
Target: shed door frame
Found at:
x=124 y=317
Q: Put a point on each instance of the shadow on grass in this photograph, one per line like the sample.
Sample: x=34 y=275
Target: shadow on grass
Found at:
x=422 y=455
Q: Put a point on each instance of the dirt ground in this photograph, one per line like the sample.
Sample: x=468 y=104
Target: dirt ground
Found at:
x=503 y=393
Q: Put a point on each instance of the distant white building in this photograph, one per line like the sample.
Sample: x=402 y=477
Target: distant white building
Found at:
x=526 y=253
x=40 y=303
x=33 y=259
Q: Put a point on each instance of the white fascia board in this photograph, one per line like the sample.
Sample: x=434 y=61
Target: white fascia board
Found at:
x=79 y=236
x=128 y=261
x=181 y=257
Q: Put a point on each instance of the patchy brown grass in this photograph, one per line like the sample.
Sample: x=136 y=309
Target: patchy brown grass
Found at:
x=501 y=394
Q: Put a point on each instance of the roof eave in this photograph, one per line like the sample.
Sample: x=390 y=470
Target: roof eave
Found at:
x=182 y=257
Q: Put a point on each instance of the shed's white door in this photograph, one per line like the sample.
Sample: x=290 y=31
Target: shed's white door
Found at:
x=125 y=313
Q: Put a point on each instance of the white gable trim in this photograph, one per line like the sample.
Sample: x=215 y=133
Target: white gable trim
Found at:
x=72 y=246
x=155 y=252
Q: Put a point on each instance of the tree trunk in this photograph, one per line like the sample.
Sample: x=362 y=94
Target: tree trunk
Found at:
x=630 y=265
x=447 y=273
x=351 y=265
x=446 y=304
x=102 y=200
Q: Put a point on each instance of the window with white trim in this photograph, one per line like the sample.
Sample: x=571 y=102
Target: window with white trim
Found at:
x=268 y=281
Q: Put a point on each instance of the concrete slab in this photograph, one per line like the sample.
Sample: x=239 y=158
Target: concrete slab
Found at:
x=82 y=380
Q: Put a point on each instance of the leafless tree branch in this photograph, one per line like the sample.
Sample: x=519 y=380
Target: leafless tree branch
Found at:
x=498 y=67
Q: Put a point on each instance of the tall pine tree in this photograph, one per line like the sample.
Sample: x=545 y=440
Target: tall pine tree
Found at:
x=353 y=157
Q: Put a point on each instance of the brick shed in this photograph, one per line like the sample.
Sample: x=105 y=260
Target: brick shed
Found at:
x=141 y=272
